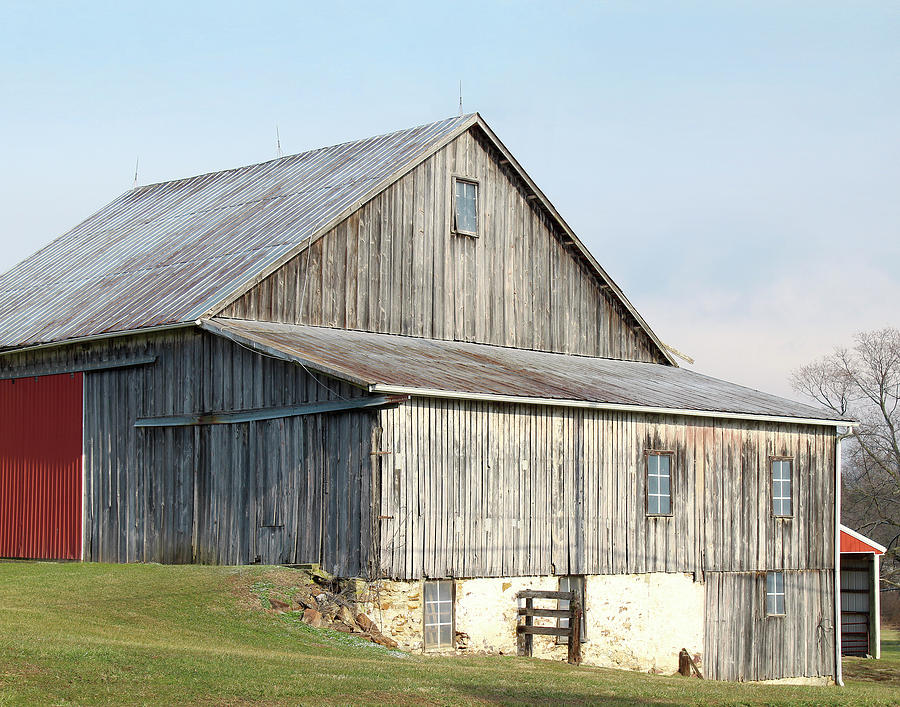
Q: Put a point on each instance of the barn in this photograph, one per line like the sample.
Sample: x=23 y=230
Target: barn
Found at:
x=394 y=358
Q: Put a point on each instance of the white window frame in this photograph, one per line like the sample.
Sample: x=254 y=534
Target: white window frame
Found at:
x=671 y=477
x=453 y=224
x=426 y=605
x=777 y=486
x=774 y=593
x=563 y=622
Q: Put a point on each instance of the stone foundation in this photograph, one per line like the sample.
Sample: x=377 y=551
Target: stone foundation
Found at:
x=637 y=622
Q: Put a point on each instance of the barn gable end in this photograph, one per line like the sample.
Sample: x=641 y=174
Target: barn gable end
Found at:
x=396 y=266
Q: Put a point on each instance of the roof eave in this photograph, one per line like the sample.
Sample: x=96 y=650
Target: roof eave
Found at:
x=253 y=343
x=863 y=539
x=597 y=405
x=96 y=337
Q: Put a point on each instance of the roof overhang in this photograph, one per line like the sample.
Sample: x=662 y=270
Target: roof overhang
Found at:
x=870 y=546
x=593 y=405
x=343 y=369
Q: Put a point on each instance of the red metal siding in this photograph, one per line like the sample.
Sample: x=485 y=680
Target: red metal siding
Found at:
x=40 y=467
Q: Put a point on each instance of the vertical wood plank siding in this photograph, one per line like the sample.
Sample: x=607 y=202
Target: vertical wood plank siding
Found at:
x=484 y=489
x=223 y=493
x=742 y=643
x=395 y=267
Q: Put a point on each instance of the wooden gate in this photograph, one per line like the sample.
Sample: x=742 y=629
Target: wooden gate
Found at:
x=526 y=628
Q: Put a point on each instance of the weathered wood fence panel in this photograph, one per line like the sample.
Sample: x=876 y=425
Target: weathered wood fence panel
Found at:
x=526 y=630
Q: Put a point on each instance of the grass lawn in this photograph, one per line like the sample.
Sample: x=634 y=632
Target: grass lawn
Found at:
x=148 y=634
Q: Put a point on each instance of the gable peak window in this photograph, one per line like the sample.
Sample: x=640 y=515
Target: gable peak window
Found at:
x=774 y=593
x=465 y=206
x=781 y=487
x=659 y=483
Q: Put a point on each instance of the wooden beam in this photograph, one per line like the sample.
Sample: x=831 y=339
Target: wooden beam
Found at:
x=541 y=594
x=543 y=630
x=550 y=613
x=232 y=417
x=79 y=367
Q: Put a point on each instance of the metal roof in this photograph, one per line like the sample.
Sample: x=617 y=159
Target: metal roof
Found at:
x=402 y=364
x=168 y=253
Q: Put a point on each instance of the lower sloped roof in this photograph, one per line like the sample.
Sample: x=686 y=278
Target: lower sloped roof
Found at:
x=404 y=364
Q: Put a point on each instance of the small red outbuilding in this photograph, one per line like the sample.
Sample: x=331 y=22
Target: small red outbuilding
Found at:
x=860 y=604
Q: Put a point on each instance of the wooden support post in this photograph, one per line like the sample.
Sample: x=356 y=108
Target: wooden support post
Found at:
x=575 y=632
x=529 y=621
x=686 y=664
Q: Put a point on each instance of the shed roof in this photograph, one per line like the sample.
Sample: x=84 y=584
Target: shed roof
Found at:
x=167 y=253
x=855 y=542
x=403 y=364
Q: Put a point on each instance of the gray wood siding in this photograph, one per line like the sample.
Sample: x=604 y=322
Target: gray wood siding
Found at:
x=395 y=267
x=286 y=490
x=482 y=489
x=742 y=643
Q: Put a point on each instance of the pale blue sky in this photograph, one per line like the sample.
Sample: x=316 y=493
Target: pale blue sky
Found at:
x=734 y=165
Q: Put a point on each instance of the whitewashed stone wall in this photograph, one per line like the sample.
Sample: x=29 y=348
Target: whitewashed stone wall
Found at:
x=638 y=622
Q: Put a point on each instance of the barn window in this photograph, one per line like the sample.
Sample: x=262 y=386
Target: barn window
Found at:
x=575 y=584
x=659 y=483
x=438 y=614
x=781 y=487
x=774 y=593
x=465 y=206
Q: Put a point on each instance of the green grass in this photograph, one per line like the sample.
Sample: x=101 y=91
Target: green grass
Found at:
x=148 y=634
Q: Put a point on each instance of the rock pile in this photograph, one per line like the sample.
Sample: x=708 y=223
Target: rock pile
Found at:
x=326 y=604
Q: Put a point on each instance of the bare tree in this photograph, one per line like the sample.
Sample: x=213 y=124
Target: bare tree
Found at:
x=864 y=383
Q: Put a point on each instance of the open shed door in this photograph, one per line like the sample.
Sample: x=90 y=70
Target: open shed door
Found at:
x=40 y=467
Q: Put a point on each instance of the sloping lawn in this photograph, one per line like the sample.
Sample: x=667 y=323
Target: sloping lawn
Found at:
x=148 y=634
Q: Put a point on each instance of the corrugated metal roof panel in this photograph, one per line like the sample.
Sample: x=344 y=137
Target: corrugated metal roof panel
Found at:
x=478 y=369
x=168 y=252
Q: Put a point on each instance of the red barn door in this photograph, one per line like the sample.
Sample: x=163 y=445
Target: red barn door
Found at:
x=40 y=467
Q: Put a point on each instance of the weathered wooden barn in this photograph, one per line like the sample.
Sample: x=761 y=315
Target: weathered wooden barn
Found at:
x=393 y=357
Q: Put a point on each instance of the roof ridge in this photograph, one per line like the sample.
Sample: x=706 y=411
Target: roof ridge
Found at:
x=295 y=155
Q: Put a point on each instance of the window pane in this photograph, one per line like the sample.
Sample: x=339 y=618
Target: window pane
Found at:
x=431 y=591
x=664 y=505
x=652 y=464
x=466 y=206
x=446 y=635
x=445 y=592
x=664 y=485
x=653 y=484
x=653 y=504
x=663 y=464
